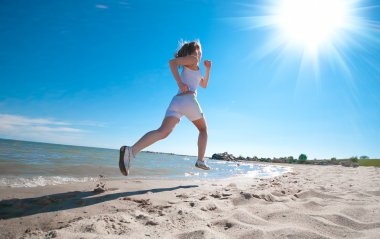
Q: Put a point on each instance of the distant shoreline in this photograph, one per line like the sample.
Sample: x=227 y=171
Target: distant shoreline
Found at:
x=351 y=162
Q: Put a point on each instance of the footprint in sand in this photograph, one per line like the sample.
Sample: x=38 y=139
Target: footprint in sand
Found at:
x=194 y=234
x=183 y=196
x=211 y=207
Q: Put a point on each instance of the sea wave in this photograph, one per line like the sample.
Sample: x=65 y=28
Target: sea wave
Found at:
x=37 y=181
x=267 y=171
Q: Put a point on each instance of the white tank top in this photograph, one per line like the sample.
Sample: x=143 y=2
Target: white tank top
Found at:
x=191 y=78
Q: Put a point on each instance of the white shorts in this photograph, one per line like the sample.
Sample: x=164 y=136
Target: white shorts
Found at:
x=185 y=105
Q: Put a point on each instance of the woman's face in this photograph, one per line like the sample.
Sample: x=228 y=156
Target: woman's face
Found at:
x=198 y=53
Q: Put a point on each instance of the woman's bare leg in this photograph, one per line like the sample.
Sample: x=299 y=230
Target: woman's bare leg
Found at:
x=202 y=138
x=167 y=126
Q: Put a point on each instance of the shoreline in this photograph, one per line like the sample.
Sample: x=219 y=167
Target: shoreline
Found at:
x=309 y=202
x=219 y=169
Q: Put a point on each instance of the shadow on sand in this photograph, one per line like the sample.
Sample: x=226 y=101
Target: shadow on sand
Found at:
x=13 y=208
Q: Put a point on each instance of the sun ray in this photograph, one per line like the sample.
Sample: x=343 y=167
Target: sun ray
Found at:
x=320 y=29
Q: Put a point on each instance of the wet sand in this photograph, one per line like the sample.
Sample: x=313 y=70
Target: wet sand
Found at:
x=309 y=202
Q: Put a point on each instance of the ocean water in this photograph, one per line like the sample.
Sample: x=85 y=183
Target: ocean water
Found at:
x=31 y=164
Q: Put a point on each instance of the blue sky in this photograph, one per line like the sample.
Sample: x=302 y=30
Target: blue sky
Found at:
x=96 y=73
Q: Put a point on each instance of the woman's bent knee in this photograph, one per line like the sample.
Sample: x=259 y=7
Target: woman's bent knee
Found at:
x=203 y=130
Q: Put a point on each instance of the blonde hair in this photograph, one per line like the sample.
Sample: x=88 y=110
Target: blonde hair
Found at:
x=187 y=48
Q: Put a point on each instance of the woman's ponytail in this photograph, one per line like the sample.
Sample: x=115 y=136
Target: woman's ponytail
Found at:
x=187 y=48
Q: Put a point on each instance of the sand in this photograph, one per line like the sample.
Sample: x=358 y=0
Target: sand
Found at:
x=309 y=202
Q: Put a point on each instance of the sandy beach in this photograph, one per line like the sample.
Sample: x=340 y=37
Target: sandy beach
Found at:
x=309 y=202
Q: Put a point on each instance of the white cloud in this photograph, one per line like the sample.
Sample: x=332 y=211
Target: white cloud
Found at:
x=101 y=6
x=57 y=129
x=20 y=120
x=38 y=129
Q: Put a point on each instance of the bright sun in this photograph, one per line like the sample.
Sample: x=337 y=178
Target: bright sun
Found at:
x=312 y=33
x=310 y=23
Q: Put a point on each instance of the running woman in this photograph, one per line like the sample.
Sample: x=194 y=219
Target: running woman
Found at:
x=185 y=103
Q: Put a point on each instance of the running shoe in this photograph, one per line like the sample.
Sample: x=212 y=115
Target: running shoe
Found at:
x=202 y=165
x=126 y=156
